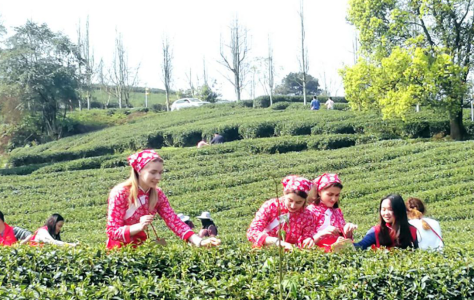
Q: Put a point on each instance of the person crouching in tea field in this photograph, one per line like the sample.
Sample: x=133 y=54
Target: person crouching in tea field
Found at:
x=393 y=229
x=208 y=227
x=428 y=230
x=50 y=233
x=289 y=213
x=324 y=204
x=7 y=236
x=134 y=203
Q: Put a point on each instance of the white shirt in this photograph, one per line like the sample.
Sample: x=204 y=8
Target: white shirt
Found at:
x=330 y=104
x=427 y=239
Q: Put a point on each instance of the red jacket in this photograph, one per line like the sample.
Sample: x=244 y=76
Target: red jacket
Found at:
x=377 y=231
x=8 y=237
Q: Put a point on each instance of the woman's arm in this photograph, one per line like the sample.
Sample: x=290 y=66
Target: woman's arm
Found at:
x=367 y=241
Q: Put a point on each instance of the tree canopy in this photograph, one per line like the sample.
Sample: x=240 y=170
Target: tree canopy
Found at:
x=38 y=71
x=292 y=85
x=412 y=52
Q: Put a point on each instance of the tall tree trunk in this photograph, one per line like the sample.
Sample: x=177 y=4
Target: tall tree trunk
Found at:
x=458 y=132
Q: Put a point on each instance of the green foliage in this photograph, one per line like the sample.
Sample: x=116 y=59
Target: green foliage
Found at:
x=39 y=67
x=410 y=55
x=292 y=85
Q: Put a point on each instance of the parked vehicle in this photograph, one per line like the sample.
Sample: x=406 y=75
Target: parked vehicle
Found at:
x=186 y=103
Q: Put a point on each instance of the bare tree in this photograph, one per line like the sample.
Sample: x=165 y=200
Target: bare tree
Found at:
x=103 y=81
x=189 y=77
x=122 y=76
x=167 y=69
x=87 y=66
x=236 y=63
x=303 y=61
x=269 y=75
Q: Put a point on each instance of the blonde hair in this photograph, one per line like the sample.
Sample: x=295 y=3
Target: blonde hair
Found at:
x=132 y=184
x=416 y=210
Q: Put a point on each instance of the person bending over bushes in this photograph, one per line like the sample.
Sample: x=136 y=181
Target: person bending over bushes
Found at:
x=50 y=233
x=289 y=213
x=134 y=203
x=324 y=204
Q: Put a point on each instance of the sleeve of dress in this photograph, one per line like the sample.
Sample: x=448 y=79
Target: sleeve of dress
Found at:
x=168 y=215
x=367 y=241
x=256 y=232
x=43 y=236
x=118 y=205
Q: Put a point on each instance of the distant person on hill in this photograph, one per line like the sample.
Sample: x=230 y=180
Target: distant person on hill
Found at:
x=428 y=230
x=202 y=144
x=288 y=213
x=329 y=104
x=217 y=139
x=50 y=233
x=134 y=203
x=393 y=229
x=323 y=202
x=208 y=226
x=315 y=103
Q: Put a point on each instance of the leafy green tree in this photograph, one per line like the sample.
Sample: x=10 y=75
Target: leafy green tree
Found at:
x=412 y=52
x=38 y=68
x=292 y=85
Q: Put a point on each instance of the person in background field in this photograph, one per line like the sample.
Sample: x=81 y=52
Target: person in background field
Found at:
x=133 y=204
x=217 y=139
x=50 y=233
x=208 y=226
x=323 y=202
x=428 y=230
x=288 y=213
x=202 y=144
x=315 y=103
x=329 y=104
x=393 y=229
x=186 y=220
x=7 y=236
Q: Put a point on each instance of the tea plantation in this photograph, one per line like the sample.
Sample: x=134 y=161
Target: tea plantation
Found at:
x=373 y=157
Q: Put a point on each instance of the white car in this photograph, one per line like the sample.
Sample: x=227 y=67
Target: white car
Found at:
x=186 y=103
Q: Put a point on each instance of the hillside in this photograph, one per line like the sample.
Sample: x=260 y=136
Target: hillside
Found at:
x=73 y=176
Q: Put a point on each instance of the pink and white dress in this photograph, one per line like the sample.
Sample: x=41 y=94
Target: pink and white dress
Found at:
x=324 y=217
x=121 y=215
x=298 y=225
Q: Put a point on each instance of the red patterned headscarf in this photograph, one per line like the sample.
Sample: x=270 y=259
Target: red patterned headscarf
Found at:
x=293 y=182
x=325 y=180
x=139 y=160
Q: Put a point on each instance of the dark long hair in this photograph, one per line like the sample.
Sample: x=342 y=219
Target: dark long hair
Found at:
x=400 y=235
x=51 y=224
x=206 y=223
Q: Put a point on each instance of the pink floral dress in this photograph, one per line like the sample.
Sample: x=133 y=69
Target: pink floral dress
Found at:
x=297 y=225
x=121 y=216
x=324 y=217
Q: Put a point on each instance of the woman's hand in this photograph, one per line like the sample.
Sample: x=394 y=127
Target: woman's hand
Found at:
x=349 y=230
x=145 y=221
x=211 y=242
x=287 y=246
x=330 y=230
x=308 y=243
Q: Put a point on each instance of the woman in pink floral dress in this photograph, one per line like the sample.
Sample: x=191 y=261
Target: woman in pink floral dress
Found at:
x=287 y=212
x=324 y=204
x=134 y=203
